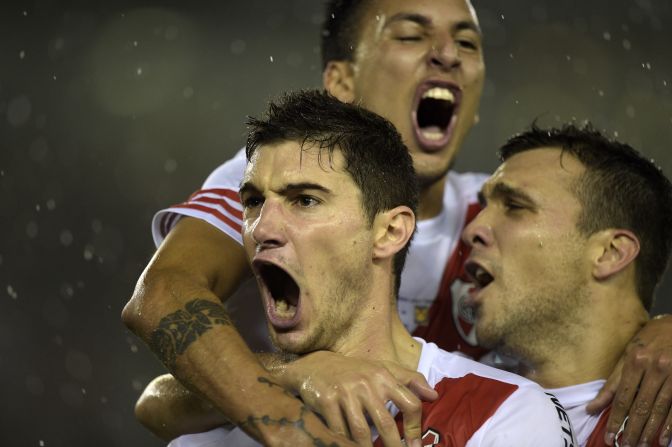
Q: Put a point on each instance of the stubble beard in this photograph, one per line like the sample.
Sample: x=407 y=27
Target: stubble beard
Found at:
x=548 y=319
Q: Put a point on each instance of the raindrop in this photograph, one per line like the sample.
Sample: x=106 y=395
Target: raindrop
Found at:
x=32 y=229
x=626 y=44
x=135 y=43
x=88 y=252
x=600 y=92
x=606 y=35
x=18 y=111
x=170 y=166
x=134 y=348
x=58 y=43
x=37 y=207
x=25 y=13
x=22 y=54
x=172 y=32
x=103 y=400
x=67 y=291
x=502 y=16
x=511 y=55
x=51 y=204
x=136 y=384
x=238 y=46
x=53 y=77
x=139 y=71
x=271 y=58
x=41 y=443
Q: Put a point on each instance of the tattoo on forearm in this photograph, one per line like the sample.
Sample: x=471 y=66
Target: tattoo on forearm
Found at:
x=255 y=421
x=178 y=330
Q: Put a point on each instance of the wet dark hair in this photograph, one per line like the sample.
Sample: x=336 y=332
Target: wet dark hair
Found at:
x=375 y=156
x=341 y=28
x=619 y=189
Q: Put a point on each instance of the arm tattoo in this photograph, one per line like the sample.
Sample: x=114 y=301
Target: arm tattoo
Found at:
x=255 y=421
x=178 y=330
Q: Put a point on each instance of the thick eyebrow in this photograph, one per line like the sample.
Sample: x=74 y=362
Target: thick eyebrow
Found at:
x=248 y=187
x=425 y=21
x=502 y=191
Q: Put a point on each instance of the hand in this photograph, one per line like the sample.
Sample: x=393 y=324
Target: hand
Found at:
x=343 y=390
x=641 y=387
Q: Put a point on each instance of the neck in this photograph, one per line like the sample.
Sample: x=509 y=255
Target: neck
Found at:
x=431 y=199
x=380 y=335
x=590 y=349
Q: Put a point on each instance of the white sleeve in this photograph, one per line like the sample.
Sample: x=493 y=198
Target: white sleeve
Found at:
x=217 y=202
x=217 y=437
x=529 y=417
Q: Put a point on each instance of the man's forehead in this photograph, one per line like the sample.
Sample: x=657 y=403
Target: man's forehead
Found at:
x=380 y=11
x=294 y=159
x=542 y=166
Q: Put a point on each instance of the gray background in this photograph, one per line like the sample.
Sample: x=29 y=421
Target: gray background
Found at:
x=111 y=111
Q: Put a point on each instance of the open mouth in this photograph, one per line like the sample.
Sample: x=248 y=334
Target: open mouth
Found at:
x=282 y=295
x=478 y=274
x=435 y=114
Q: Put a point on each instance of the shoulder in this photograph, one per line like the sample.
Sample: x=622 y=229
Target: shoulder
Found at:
x=466 y=184
x=229 y=173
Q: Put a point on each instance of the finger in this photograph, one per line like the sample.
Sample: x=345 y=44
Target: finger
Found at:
x=642 y=406
x=411 y=408
x=606 y=394
x=666 y=433
x=633 y=371
x=384 y=423
x=661 y=406
x=415 y=381
x=357 y=425
x=334 y=418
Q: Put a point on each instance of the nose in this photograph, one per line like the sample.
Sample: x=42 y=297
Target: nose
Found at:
x=268 y=229
x=444 y=54
x=478 y=231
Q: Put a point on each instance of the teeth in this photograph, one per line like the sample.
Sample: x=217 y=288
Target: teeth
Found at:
x=439 y=93
x=284 y=309
x=432 y=135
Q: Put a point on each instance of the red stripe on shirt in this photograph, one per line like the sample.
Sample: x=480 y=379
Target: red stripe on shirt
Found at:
x=228 y=193
x=219 y=202
x=464 y=405
x=236 y=226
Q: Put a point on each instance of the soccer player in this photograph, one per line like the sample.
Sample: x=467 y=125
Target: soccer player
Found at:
x=329 y=198
x=419 y=64
x=574 y=236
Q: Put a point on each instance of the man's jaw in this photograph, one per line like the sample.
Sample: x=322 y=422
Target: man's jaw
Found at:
x=434 y=114
x=281 y=295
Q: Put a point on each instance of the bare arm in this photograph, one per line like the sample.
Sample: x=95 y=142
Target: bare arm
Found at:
x=177 y=310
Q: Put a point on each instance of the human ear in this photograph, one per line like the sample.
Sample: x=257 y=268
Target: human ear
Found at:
x=616 y=249
x=338 y=80
x=393 y=230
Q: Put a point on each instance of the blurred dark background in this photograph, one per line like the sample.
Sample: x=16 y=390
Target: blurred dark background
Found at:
x=112 y=110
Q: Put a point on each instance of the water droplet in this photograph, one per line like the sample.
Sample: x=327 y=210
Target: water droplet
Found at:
x=606 y=35
x=25 y=13
x=135 y=43
x=139 y=71
x=170 y=166
x=271 y=58
x=41 y=443
x=134 y=348
x=11 y=292
x=626 y=44
x=22 y=54
x=88 y=252
x=37 y=207
x=502 y=16
x=600 y=92
x=32 y=229
x=238 y=46
x=51 y=204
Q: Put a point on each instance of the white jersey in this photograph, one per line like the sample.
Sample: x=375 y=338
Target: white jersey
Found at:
x=589 y=428
x=477 y=406
x=433 y=284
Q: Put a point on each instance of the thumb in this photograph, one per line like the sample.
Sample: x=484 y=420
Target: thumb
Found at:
x=608 y=391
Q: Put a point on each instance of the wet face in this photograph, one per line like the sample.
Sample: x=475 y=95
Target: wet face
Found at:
x=420 y=65
x=528 y=260
x=309 y=244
